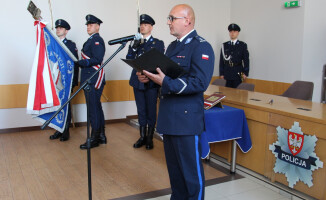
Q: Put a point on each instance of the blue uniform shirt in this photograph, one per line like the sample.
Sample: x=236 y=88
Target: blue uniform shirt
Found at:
x=94 y=48
x=181 y=109
x=132 y=54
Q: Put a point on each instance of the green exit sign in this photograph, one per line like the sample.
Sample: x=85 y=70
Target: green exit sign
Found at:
x=291 y=4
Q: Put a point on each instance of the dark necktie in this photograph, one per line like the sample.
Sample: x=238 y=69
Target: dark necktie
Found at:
x=232 y=43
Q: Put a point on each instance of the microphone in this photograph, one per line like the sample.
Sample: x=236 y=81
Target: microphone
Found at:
x=121 y=40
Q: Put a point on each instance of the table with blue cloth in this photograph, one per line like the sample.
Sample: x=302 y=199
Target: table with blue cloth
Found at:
x=223 y=124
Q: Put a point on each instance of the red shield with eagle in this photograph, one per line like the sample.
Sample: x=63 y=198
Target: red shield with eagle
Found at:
x=295 y=142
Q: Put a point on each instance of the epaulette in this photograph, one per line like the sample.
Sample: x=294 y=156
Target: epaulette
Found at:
x=200 y=39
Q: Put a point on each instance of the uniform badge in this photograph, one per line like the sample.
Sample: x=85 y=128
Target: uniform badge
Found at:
x=97 y=43
x=181 y=57
x=188 y=40
x=201 y=39
x=204 y=57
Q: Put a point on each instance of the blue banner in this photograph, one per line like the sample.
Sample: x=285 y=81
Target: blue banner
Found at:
x=62 y=69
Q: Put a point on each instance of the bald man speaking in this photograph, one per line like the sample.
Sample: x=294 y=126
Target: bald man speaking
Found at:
x=181 y=112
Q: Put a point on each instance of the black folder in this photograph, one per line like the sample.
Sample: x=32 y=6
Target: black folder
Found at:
x=152 y=59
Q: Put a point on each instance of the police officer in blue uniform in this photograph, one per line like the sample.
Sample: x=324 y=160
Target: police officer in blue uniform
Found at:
x=145 y=93
x=181 y=112
x=234 y=59
x=92 y=56
x=62 y=27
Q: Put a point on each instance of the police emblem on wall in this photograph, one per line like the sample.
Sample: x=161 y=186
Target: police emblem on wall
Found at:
x=295 y=156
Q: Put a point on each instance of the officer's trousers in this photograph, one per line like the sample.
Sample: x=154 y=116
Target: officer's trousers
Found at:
x=146 y=101
x=233 y=83
x=95 y=107
x=185 y=167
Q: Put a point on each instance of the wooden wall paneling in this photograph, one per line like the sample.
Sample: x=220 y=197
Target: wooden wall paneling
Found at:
x=255 y=158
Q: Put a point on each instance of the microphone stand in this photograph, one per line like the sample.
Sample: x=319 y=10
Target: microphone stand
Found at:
x=86 y=87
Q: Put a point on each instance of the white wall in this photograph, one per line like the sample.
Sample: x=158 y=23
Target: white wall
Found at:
x=274 y=37
x=314 y=44
x=120 y=19
x=285 y=44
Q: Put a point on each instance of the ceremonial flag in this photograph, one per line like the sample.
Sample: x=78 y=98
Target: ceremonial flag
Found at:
x=51 y=78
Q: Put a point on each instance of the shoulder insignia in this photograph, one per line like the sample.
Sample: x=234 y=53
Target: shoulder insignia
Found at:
x=188 y=40
x=200 y=39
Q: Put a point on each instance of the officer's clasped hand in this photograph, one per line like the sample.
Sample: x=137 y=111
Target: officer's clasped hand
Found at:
x=135 y=44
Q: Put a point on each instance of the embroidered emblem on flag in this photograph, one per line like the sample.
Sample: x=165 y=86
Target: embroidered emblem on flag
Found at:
x=205 y=57
x=97 y=43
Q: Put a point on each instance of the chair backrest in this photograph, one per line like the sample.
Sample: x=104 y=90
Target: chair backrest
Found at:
x=219 y=82
x=246 y=86
x=300 y=90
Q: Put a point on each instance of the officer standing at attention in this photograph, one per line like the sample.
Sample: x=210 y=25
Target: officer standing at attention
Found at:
x=181 y=112
x=234 y=59
x=92 y=56
x=62 y=27
x=146 y=92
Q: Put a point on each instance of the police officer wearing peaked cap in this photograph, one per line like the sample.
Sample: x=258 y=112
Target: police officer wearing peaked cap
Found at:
x=234 y=27
x=146 y=94
x=234 y=59
x=62 y=23
x=92 y=57
x=146 y=19
x=91 y=19
x=62 y=28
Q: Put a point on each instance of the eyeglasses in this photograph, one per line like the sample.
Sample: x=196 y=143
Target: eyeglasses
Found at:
x=171 y=18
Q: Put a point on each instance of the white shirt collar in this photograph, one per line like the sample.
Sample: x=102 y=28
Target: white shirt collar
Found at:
x=147 y=38
x=234 y=41
x=62 y=39
x=186 y=35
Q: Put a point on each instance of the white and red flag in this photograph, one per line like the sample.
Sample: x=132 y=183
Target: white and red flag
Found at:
x=42 y=95
x=51 y=78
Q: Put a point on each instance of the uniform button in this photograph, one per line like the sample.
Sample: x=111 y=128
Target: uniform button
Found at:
x=162 y=97
x=186 y=112
x=169 y=92
x=178 y=63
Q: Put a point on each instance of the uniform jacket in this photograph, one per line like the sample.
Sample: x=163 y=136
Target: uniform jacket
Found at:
x=239 y=56
x=94 y=48
x=151 y=43
x=73 y=49
x=181 y=109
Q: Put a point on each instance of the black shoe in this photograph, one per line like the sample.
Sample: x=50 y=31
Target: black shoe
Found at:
x=94 y=140
x=141 y=141
x=149 y=138
x=94 y=143
x=102 y=137
x=56 y=135
x=65 y=136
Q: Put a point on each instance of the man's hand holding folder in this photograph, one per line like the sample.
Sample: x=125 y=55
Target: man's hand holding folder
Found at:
x=157 y=78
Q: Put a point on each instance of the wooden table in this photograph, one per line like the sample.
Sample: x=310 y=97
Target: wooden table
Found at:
x=263 y=118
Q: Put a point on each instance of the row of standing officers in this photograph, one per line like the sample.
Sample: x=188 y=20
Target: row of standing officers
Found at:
x=181 y=99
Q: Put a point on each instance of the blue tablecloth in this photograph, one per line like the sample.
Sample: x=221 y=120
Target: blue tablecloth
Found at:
x=225 y=124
